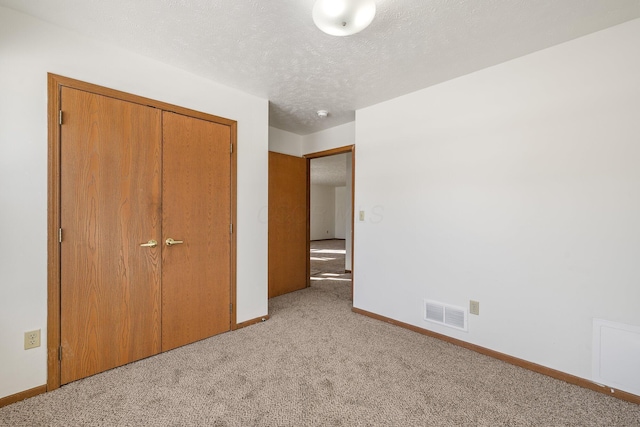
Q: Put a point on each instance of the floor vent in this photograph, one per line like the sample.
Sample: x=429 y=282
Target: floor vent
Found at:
x=445 y=314
x=616 y=351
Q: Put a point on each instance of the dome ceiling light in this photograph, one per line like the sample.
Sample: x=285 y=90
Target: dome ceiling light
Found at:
x=343 y=17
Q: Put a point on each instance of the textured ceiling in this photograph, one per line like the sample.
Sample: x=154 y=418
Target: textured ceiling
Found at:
x=272 y=49
x=330 y=170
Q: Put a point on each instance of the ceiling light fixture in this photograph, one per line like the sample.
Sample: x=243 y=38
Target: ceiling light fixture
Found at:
x=323 y=113
x=343 y=17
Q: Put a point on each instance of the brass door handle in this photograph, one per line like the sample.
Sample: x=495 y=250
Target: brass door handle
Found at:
x=149 y=244
x=171 y=242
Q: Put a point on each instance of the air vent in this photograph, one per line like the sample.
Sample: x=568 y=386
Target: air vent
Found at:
x=445 y=314
x=433 y=311
x=616 y=351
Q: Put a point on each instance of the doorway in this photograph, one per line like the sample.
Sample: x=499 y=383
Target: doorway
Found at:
x=290 y=223
x=330 y=207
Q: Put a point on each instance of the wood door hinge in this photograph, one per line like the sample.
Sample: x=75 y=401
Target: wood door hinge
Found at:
x=59 y=235
x=231 y=148
x=231 y=308
x=231 y=228
x=60 y=353
x=60 y=117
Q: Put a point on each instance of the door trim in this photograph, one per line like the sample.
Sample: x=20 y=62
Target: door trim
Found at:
x=339 y=150
x=54 y=86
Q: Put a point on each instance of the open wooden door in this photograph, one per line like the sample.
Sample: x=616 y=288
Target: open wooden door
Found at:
x=288 y=241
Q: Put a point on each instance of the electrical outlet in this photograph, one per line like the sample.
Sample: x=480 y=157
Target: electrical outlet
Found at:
x=31 y=339
x=361 y=216
x=474 y=307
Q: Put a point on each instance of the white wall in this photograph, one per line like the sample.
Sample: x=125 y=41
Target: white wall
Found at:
x=517 y=186
x=340 y=212
x=281 y=141
x=28 y=50
x=339 y=136
x=322 y=206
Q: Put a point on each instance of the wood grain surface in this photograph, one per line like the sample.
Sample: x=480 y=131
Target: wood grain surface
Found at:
x=110 y=203
x=288 y=237
x=196 y=200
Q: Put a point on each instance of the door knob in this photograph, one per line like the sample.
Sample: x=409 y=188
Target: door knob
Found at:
x=171 y=242
x=149 y=244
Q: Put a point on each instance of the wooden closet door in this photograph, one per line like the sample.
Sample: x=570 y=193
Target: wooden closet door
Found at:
x=196 y=199
x=110 y=205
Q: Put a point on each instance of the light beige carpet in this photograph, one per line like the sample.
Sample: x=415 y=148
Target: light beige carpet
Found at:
x=316 y=363
x=327 y=260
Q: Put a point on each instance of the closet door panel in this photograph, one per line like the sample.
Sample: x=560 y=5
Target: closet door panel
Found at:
x=196 y=200
x=110 y=205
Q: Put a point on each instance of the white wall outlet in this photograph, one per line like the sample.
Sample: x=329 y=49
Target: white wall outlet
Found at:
x=31 y=339
x=474 y=307
x=361 y=215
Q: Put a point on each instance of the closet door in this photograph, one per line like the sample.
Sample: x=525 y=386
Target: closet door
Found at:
x=196 y=200
x=110 y=217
